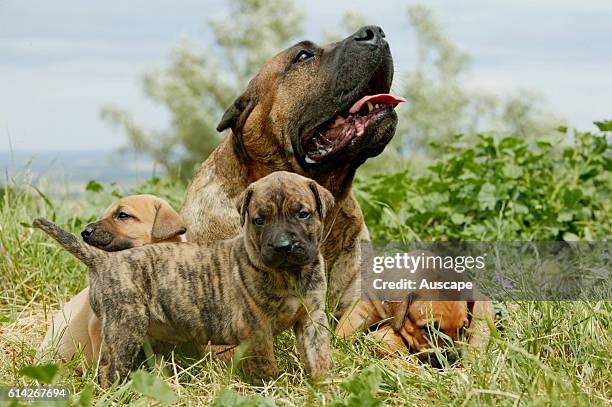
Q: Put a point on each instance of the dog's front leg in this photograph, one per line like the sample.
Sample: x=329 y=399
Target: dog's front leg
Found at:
x=259 y=364
x=312 y=338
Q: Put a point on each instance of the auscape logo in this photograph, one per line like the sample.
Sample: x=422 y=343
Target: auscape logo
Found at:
x=423 y=284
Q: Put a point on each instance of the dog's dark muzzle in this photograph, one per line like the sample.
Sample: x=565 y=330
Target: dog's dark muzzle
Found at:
x=286 y=249
x=95 y=235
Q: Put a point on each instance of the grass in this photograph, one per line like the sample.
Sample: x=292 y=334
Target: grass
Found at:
x=544 y=353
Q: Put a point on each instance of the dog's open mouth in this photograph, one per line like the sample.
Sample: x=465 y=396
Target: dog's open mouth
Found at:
x=344 y=129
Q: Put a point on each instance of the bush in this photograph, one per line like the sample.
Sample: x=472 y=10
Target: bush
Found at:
x=500 y=188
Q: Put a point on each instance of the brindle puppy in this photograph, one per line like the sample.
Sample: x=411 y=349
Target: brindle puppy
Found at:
x=244 y=290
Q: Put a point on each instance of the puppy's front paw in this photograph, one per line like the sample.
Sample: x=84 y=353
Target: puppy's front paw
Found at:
x=106 y=376
x=258 y=372
x=323 y=364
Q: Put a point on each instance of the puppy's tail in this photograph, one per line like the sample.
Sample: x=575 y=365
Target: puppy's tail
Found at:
x=78 y=249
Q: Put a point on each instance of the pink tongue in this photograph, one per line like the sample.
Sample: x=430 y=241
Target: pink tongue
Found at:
x=386 y=98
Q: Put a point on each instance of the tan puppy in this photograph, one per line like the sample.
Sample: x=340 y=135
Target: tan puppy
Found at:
x=409 y=326
x=414 y=325
x=132 y=221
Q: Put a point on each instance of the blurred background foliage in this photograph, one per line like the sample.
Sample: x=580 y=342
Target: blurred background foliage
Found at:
x=198 y=84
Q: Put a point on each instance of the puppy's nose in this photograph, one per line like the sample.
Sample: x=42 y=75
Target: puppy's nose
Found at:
x=452 y=356
x=370 y=34
x=86 y=233
x=282 y=245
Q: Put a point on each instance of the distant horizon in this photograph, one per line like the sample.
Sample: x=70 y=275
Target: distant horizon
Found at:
x=77 y=167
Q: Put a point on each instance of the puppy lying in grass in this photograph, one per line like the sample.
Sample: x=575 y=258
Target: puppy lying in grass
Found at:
x=239 y=291
x=414 y=326
x=427 y=323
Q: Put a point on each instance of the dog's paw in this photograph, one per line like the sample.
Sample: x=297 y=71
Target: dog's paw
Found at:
x=258 y=373
x=324 y=364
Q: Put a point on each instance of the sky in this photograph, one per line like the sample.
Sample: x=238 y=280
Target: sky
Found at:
x=61 y=61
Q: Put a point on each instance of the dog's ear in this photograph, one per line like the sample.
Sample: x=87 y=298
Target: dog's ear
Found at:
x=234 y=118
x=167 y=223
x=324 y=199
x=243 y=203
x=470 y=307
x=402 y=312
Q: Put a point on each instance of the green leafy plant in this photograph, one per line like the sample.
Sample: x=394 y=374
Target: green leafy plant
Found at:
x=229 y=398
x=152 y=386
x=41 y=373
x=362 y=389
x=499 y=188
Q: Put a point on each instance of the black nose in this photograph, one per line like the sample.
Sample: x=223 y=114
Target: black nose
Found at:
x=282 y=245
x=452 y=356
x=370 y=34
x=86 y=233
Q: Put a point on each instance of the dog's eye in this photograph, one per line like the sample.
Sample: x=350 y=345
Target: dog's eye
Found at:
x=303 y=56
x=259 y=221
x=123 y=215
x=303 y=214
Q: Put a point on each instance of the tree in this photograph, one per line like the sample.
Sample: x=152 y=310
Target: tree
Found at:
x=440 y=104
x=198 y=85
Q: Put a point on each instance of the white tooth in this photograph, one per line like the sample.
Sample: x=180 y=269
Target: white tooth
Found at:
x=309 y=160
x=370 y=107
x=376 y=106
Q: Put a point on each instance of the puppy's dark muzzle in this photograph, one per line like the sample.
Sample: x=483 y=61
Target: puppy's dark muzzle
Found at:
x=96 y=236
x=285 y=250
x=93 y=235
x=444 y=357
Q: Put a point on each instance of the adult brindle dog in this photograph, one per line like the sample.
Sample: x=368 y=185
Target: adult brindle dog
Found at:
x=316 y=111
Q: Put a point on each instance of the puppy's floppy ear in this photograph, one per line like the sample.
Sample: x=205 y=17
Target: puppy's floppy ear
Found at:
x=324 y=199
x=402 y=312
x=167 y=223
x=243 y=203
x=234 y=118
x=470 y=307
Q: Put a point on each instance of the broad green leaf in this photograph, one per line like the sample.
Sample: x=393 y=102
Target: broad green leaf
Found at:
x=486 y=196
x=41 y=373
x=519 y=208
x=565 y=216
x=512 y=171
x=458 y=218
x=94 y=186
x=152 y=386
x=229 y=398
x=85 y=396
x=363 y=388
x=604 y=125
x=570 y=237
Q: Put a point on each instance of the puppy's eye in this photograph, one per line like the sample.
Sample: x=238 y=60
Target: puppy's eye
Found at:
x=259 y=221
x=303 y=214
x=122 y=215
x=303 y=56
